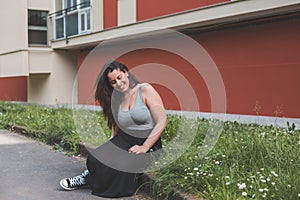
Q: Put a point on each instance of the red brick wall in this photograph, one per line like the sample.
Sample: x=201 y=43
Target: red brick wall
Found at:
x=13 y=89
x=147 y=9
x=110 y=13
x=259 y=65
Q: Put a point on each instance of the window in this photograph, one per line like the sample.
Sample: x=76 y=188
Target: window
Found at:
x=85 y=21
x=72 y=24
x=71 y=5
x=37 y=27
x=71 y=17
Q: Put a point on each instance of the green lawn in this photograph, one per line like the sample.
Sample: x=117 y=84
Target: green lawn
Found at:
x=244 y=162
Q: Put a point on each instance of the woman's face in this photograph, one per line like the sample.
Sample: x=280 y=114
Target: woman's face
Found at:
x=119 y=80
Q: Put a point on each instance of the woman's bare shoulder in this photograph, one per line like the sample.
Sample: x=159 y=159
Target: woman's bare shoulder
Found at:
x=147 y=87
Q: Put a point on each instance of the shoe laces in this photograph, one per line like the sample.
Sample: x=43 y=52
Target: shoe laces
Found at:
x=85 y=173
x=77 y=180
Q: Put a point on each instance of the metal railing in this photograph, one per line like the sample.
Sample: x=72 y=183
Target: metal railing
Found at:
x=62 y=14
x=71 y=8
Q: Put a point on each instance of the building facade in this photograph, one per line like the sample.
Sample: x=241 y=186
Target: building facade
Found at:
x=213 y=56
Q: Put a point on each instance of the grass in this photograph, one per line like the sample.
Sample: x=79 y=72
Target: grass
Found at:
x=247 y=161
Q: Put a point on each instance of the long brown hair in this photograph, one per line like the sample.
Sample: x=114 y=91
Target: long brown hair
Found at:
x=108 y=98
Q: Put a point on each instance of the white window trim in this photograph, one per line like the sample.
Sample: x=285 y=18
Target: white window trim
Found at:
x=38 y=28
x=84 y=12
x=54 y=26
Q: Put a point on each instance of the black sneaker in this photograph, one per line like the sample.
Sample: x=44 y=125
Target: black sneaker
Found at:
x=74 y=182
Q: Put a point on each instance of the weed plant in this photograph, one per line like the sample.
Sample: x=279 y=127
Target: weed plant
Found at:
x=49 y=125
x=247 y=161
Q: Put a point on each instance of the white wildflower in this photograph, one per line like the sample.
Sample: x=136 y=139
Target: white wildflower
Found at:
x=244 y=194
x=274 y=173
x=241 y=186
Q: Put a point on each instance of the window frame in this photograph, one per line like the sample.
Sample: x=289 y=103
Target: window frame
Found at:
x=38 y=28
x=83 y=28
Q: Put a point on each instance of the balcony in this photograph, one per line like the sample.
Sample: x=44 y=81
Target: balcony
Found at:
x=74 y=19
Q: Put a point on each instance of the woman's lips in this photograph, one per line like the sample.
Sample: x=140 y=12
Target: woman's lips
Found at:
x=122 y=87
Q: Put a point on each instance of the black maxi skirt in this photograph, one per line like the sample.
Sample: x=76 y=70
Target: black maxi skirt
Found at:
x=113 y=170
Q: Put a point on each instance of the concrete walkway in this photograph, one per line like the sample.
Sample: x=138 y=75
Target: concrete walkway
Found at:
x=31 y=171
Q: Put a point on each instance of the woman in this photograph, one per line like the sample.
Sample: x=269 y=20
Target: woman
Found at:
x=136 y=116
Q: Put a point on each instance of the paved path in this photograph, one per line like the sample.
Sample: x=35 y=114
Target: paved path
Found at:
x=30 y=170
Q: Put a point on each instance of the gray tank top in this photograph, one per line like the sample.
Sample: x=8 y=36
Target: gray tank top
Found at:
x=138 y=120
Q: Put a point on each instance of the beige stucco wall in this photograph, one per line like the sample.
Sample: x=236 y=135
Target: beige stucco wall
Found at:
x=40 y=4
x=97 y=15
x=13 y=40
x=13 y=15
x=126 y=12
x=15 y=56
x=14 y=64
x=40 y=60
x=57 y=86
x=50 y=74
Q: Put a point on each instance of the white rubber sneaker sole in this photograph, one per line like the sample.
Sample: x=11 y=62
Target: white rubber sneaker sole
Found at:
x=64 y=184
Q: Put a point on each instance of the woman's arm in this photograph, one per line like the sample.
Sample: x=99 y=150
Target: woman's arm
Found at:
x=154 y=102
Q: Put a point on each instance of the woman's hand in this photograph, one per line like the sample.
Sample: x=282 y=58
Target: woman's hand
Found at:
x=137 y=149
